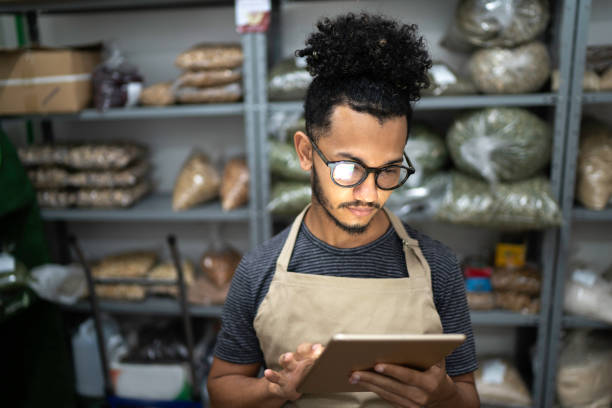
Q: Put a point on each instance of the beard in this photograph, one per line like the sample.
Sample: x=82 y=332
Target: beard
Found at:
x=317 y=192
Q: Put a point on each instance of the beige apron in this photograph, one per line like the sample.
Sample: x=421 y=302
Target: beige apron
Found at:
x=305 y=308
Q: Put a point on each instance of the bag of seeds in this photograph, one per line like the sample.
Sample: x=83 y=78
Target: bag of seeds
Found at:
x=288 y=80
x=214 y=77
x=160 y=94
x=210 y=56
x=219 y=265
x=235 y=184
x=520 y=205
x=213 y=94
x=289 y=197
x=444 y=81
x=427 y=151
x=284 y=162
x=594 y=175
x=499 y=383
x=197 y=182
x=510 y=71
x=496 y=23
x=500 y=144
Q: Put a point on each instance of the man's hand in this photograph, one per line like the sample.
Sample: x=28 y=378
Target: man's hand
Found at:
x=405 y=387
x=295 y=366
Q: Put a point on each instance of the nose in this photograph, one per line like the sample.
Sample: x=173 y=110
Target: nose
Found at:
x=367 y=191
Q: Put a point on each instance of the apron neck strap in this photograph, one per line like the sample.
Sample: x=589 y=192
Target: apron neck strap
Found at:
x=285 y=255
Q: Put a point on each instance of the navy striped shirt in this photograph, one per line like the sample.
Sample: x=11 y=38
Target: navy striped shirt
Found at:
x=382 y=258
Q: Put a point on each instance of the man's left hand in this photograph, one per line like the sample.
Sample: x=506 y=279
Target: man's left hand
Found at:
x=407 y=388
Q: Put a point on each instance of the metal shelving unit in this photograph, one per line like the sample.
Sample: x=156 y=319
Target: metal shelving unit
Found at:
x=572 y=212
x=157 y=207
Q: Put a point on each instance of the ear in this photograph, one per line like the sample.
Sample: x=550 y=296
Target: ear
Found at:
x=303 y=147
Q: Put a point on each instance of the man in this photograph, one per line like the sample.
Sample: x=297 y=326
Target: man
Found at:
x=346 y=264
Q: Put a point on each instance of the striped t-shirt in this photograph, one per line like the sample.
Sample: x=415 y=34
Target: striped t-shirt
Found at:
x=383 y=258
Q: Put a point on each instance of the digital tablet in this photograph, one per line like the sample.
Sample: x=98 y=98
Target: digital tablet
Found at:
x=346 y=353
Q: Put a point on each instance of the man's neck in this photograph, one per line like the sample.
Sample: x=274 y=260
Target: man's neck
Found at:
x=325 y=229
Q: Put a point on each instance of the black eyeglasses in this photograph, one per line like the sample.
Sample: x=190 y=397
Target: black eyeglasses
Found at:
x=348 y=173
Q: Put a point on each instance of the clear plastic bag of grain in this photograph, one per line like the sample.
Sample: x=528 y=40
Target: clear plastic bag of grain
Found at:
x=213 y=77
x=133 y=264
x=510 y=71
x=496 y=23
x=197 y=182
x=498 y=382
x=594 y=175
x=213 y=94
x=481 y=300
x=443 y=80
x=219 y=265
x=235 y=184
x=56 y=198
x=58 y=177
x=120 y=291
x=288 y=198
x=161 y=94
x=284 y=162
x=527 y=280
x=517 y=302
x=111 y=197
x=167 y=272
x=289 y=80
x=210 y=56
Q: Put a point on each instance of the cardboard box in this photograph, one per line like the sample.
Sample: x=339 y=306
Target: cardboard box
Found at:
x=46 y=80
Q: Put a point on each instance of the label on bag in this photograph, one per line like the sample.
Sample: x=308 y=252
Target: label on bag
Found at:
x=252 y=16
x=584 y=277
x=7 y=262
x=493 y=372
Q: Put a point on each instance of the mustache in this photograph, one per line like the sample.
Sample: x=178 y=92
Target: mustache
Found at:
x=359 y=204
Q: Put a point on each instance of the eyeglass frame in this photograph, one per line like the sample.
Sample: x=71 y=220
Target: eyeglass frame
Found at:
x=376 y=170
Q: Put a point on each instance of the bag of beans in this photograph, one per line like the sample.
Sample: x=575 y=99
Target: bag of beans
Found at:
x=219 y=265
x=197 y=182
x=235 y=184
x=210 y=56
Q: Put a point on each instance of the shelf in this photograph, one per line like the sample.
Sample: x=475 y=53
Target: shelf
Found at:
x=453 y=102
x=578 y=322
x=582 y=214
x=503 y=318
x=597 y=97
x=149 y=306
x=66 y=6
x=151 y=208
x=177 y=111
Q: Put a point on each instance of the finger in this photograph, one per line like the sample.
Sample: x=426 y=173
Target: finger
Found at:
x=304 y=350
x=272 y=376
x=403 y=374
x=287 y=361
x=392 y=385
x=392 y=398
x=317 y=350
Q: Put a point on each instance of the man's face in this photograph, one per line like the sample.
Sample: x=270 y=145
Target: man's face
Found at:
x=362 y=138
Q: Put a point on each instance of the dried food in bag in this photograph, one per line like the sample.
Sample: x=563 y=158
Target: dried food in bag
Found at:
x=120 y=291
x=111 y=197
x=443 y=80
x=57 y=177
x=48 y=177
x=498 y=382
x=500 y=144
x=86 y=156
x=204 y=292
x=521 y=205
x=219 y=265
x=510 y=71
x=605 y=81
x=167 y=271
x=525 y=280
x=427 y=151
x=133 y=264
x=161 y=94
x=424 y=199
x=210 y=56
x=197 y=182
x=495 y=23
x=599 y=57
x=584 y=377
x=517 y=302
x=288 y=80
x=594 y=175
x=481 y=300
x=289 y=197
x=235 y=184
x=116 y=83
x=214 y=77
x=56 y=198
x=213 y=94
x=284 y=162
x=588 y=294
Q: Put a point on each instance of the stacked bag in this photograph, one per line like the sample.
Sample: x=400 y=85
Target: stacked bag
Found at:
x=508 y=59
x=291 y=190
x=594 y=175
x=107 y=175
x=212 y=73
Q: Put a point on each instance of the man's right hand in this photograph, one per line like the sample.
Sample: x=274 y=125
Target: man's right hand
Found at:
x=295 y=366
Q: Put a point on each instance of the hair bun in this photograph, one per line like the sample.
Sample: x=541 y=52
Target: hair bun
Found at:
x=369 y=46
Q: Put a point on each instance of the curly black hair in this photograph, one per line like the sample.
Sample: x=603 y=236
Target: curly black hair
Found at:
x=369 y=62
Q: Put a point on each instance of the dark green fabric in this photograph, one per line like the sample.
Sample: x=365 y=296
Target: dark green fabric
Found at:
x=35 y=359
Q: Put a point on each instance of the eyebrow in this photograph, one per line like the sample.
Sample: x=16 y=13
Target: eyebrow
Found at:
x=358 y=160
